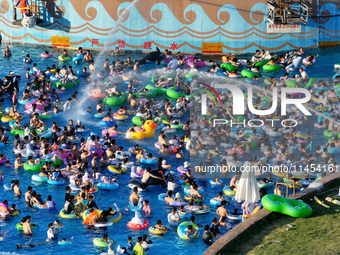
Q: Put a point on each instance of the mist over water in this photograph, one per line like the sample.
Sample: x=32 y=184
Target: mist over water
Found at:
x=100 y=60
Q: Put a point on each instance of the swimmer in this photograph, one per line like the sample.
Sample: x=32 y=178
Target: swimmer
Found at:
x=234 y=180
x=138 y=248
x=64 y=240
x=174 y=218
x=206 y=236
x=65 y=55
x=19 y=246
x=146 y=208
x=4 y=209
x=191 y=233
x=222 y=211
x=28 y=59
x=217 y=180
x=27 y=225
x=277 y=190
x=52 y=232
x=134 y=198
x=160 y=226
x=7 y=52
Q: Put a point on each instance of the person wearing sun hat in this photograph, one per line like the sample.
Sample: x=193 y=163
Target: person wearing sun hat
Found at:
x=186 y=164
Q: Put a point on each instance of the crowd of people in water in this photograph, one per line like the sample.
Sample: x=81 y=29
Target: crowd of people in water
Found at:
x=59 y=152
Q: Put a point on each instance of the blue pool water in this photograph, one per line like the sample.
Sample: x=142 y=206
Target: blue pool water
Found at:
x=170 y=243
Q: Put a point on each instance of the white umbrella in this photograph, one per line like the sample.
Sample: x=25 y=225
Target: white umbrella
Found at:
x=247 y=189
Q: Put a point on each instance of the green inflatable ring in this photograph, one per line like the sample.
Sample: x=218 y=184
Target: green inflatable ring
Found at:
x=291 y=84
x=228 y=66
x=34 y=168
x=20 y=228
x=159 y=91
x=17 y=132
x=330 y=134
x=70 y=84
x=252 y=145
x=272 y=68
x=99 y=242
x=151 y=93
x=45 y=117
x=115 y=100
x=137 y=120
x=178 y=127
x=310 y=83
x=64 y=59
x=59 y=161
x=250 y=74
x=286 y=206
x=174 y=94
x=262 y=63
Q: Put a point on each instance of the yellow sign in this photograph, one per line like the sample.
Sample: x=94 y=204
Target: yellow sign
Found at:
x=61 y=41
x=212 y=47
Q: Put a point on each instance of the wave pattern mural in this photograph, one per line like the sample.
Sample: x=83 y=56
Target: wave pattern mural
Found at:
x=173 y=24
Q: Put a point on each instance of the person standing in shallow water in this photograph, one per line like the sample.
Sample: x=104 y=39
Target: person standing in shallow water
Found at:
x=7 y=52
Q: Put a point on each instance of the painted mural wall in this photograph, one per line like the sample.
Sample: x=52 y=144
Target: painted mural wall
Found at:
x=180 y=25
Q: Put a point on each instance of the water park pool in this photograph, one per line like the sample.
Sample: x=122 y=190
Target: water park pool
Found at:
x=170 y=242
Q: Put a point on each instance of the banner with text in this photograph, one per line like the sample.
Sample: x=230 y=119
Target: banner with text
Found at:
x=212 y=47
x=280 y=28
x=61 y=41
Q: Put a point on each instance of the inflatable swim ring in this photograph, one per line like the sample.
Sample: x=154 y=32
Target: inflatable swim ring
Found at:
x=183 y=229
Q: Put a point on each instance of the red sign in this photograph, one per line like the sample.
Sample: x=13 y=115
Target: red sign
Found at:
x=94 y=41
x=173 y=46
x=147 y=45
x=121 y=43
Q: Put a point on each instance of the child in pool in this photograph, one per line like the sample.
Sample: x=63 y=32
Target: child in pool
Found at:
x=28 y=59
x=64 y=56
x=115 y=52
x=57 y=223
x=191 y=233
x=131 y=243
x=215 y=227
x=182 y=211
x=105 y=179
x=160 y=226
x=146 y=208
x=223 y=223
x=217 y=180
x=202 y=206
x=13 y=209
x=179 y=154
x=65 y=241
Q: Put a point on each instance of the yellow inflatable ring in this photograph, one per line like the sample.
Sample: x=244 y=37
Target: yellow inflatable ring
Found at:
x=158 y=231
x=67 y=216
x=113 y=169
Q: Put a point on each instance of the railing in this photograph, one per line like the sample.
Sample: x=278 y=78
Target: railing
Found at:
x=34 y=7
x=283 y=185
